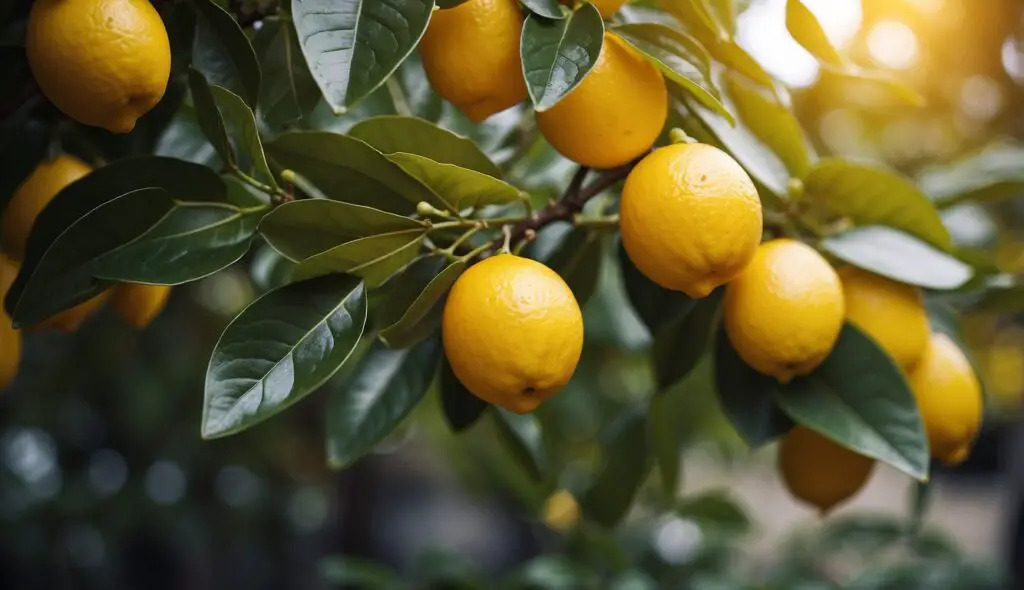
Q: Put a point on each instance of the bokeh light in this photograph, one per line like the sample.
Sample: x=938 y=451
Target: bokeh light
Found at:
x=892 y=44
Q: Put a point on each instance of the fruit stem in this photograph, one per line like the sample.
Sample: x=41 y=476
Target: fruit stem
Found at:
x=677 y=135
x=302 y=183
x=609 y=222
x=277 y=194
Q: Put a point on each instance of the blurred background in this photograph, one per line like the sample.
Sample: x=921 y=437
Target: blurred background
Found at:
x=105 y=483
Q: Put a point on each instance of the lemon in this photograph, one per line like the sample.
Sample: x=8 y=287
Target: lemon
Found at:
x=471 y=56
x=104 y=63
x=891 y=313
x=561 y=511
x=820 y=472
x=139 y=304
x=512 y=332
x=690 y=217
x=949 y=397
x=614 y=115
x=10 y=339
x=783 y=313
x=41 y=186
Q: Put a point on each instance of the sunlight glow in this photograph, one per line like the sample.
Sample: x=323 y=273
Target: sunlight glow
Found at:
x=892 y=44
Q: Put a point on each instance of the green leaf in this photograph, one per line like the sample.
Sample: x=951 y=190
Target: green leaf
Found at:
x=921 y=493
x=747 y=397
x=289 y=91
x=715 y=512
x=522 y=436
x=773 y=123
x=872 y=195
x=384 y=390
x=578 y=260
x=546 y=8
x=455 y=188
x=666 y=440
x=654 y=304
x=449 y=3
x=899 y=256
x=390 y=134
x=301 y=229
x=860 y=399
x=889 y=90
x=697 y=16
x=868 y=535
x=805 y=28
x=349 y=170
x=279 y=349
x=208 y=115
x=626 y=462
x=991 y=175
x=1002 y=293
x=373 y=258
x=680 y=57
x=222 y=53
x=461 y=408
x=558 y=54
x=352 y=46
x=418 y=296
x=356 y=572
x=241 y=124
x=183 y=139
x=680 y=345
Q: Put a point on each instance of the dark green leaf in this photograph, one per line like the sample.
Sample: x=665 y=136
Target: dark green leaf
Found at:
x=558 y=54
x=578 y=260
x=860 y=399
x=270 y=270
x=385 y=388
x=936 y=544
x=289 y=91
x=805 y=28
x=523 y=438
x=301 y=229
x=449 y=3
x=183 y=139
x=716 y=512
x=747 y=397
x=655 y=304
x=899 y=256
x=461 y=408
x=666 y=441
x=222 y=53
x=545 y=8
x=279 y=349
x=680 y=345
x=208 y=115
x=454 y=187
x=872 y=195
x=772 y=122
x=352 y=46
x=680 y=57
x=349 y=170
x=626 y=462
x=994 y=174
x=358 y=573
x=374 y=258
x=417 y=298
x=390 y=134
x=241 y=124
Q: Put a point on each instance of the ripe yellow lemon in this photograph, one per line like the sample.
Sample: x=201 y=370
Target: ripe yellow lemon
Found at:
x=949 y=397
x=471 y=56
x=820 y=472
x=512 y=332
x=10 y=339
x=139 y=304
x=103 y=62
x=70 y=320
x=783 y=313
x=690 y=217
x=561 y=511
x=41 y=186
x=891 y=313
x=614 y=115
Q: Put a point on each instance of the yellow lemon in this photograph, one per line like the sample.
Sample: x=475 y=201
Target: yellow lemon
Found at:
x=471 y=56
x=561 y=511
x=690 y=217
x=10 y=339
x=891 y=313
x=41 y=186
x=70 y=320
x=103 y=62
x=820 y=472
x=512 y=332
x=139 y=304
x=949 y=397
x=783 y=313
x=614 y=115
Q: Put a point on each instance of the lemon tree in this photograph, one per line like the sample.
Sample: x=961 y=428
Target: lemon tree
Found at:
x=443 y=202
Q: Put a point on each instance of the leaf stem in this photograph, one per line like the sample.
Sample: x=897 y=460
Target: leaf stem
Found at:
x=398 y=98
x=277 y=194
x=609 y=222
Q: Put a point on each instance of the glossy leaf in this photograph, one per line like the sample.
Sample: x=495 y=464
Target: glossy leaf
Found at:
x=805 y=28
x=241 y=124
x=352 y=46
x=558 y=54
x=654 y=304
x=208 y=115
x=989 y=176
x=384 y=389
x=680 y=57
x=546 y=8
x=666 y=442
x=578 y=260
x=454 y=187
x=747 y=397
x=391 y=134
x=288 y=91
x=461 y=408
x=522 y=436
x=680 y=345
x=899 y=256
x=222 y=53
x=279 y=349
x=772 y=122
x=349 y=170
x=374 y=258
x=625 y=464
x=872 y=195
x=716 y=513
x=418 y=297
x=859 y=398
x=301 y=229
